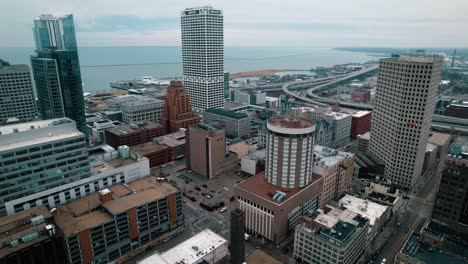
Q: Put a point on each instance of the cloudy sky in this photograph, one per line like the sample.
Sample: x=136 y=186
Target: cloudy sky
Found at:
x=321 y=23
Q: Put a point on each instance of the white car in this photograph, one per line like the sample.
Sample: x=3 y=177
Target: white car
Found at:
x=224 y=209
x=383 y=261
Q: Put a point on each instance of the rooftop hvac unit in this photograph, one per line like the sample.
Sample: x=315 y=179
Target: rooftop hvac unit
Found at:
x=30 y=237
x=37 y=220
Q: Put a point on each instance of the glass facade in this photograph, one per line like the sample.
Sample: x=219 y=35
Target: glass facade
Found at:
x=55 y=33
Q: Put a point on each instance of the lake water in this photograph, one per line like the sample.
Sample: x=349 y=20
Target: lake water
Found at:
x=102 y=65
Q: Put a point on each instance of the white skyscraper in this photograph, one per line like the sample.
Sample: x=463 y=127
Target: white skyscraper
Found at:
x=203 y=57
x=405 y=100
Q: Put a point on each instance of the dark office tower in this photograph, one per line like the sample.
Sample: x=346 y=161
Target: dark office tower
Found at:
x=56 y=70
x=16 y=93
x=237 y=236
x=177 y=110
x=451 y=206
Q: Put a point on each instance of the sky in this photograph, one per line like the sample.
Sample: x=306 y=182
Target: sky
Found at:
x=301 y=23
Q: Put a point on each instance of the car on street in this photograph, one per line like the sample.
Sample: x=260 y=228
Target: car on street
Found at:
x=224 y=209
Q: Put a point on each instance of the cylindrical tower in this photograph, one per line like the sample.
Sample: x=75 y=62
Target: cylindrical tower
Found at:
x=289 y=151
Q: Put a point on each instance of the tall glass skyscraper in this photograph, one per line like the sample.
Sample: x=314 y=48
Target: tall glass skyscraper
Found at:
x=56 y=70
x=203 y=57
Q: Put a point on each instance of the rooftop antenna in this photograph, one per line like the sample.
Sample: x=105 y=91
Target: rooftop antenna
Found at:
x=453 y=58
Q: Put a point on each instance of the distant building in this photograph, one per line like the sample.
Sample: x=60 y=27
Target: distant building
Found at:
x=236 y=124
x=203 y=56
x=31 y=236
x=157 y=154
x=360 y=123
x=337 y=170
x=272 y=101
x=56 y=70
x=16 y=94
x=37 y=156
x=288 y=188
x=137 y=108
x=363 y=142
x=361 y=95
x=205 y=148
x=98 y=129
x=329 y=124
x=204 y=247
x=457 y=109
x=226 y=85
x=133 y=134
x=402 y=115
x=249 y=97
x=177 y=110
x=102 y=227
x=451 y=203
x=331 y=236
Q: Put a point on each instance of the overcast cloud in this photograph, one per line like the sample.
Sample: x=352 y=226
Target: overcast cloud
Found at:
x=369 y=23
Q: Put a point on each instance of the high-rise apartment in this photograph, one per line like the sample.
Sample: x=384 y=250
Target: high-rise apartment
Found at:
x=16 y=92
x=203 y=57
x=177 y=110
x=37 y=156
x=56 y=70
x=405 y=100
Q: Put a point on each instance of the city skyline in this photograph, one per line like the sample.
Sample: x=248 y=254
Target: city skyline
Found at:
x=300 y=23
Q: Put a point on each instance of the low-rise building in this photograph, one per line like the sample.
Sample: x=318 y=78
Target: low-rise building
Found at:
x=236 y=124
x=457 y=109
x=133 y=134
x=272 y=101
x=363 y=142
x=384 y=193
x=361 y=95
x=176 y=141
x=31 y=236
x=377 y=213
x=254 y=162
x=336 y=168
x=97 y=130
x=204 y=247
x=331 y=236
x=157 y=154
x=104 y=226
x=137 y=108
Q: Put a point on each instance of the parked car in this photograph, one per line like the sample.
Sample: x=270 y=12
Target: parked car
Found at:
x=224 y=209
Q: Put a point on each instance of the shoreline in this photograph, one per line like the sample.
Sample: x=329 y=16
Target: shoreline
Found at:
x=259 y=73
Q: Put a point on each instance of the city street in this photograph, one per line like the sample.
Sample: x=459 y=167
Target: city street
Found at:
x=411 y=217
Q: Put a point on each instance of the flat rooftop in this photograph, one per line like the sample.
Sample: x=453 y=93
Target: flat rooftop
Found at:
x=133 y=128
x=89 y=211
x=451 y=252
x=226 y=113
x=172 y=140
x=415 y=58
x=148 y=147
x=439 y=139
x=290 y=122
x=190 y=251
x=260 y=187
x=325 y=156
x=361 y=113
x=259 y=256
x=39 y=124
x=371 y=210
x=98 y=164
x=459 y=149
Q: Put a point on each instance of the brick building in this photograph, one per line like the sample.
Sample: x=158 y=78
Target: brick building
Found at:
x=156 y=153
x=177 y=110
x=361 y=95
x=104 y=226
x=133 y=134
x=360 y=123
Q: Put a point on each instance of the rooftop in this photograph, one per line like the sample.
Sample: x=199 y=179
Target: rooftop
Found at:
x=459 y=148
x=439 y=139
x=148 y=147
x=371 y=210
x=205 y=127
x=19 y=226
x=190 y=251
x=89 y=211
x=361 y=113
x=99 y=164
x=365 y=136
x=450 y=252
x=172 y=139
x=416 y=58
x=125 y=129
x=227 y=113
x=39 y=124
x=259 y=256
x=290 y=122
x=325 y=156
x=260 y=187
